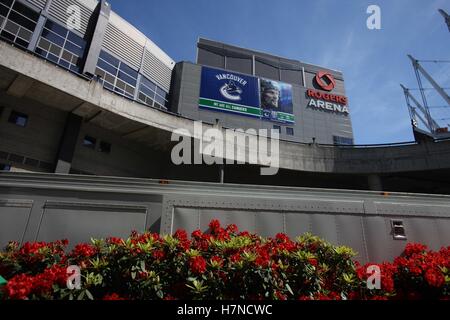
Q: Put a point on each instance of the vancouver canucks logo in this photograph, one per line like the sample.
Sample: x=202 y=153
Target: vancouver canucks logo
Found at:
x=231 y=91
x=233 y=88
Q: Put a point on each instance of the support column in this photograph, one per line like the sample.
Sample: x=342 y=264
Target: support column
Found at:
x=98 y=34
x=68 y=144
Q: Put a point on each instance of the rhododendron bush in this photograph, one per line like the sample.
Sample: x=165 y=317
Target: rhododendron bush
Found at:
x=222 y=263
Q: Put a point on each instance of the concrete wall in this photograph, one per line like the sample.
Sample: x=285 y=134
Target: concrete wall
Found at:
x=40 y=138
x=51 y=207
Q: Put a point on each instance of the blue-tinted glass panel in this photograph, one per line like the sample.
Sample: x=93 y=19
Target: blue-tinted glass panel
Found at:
x=53 y=37
x=76 y=39
x=161 y=92
x=75 y=68
x=107 y=67
x=127 y=78
x=56 y=28
x=53 y=58
x=64 y=64
x=41 y=52
x=109 y=58
x=74 y=49
x=148 y=83
x=147 y=91
x=108 y=86
x=160 y=100
x=128 y=70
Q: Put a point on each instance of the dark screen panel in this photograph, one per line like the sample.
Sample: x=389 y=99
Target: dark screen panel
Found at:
x=211 y=59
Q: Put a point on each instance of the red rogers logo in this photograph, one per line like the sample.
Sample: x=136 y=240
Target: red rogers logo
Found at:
x=325 y=80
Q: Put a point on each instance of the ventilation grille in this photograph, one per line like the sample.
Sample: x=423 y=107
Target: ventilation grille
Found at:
x=58 y=10
x=156 y=70
x=123 y=46
x=38 y=3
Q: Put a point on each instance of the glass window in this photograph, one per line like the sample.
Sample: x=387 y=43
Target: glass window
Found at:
x=149 y=84
x=160 y=100
x=21 y=20
x=3 y=10
x=27 y=12
x=277 y=128
x=290 y=131
x=89 y=142
x=105 y=147
x=56 y=28
x=7 y=3
x=127 y=78
x=5 y=167
x=109 y=58
x=161 y=92
x=76 y=40
x=343 y=141
x=8 y=35
x=107 y=67
x=19 y=119
x=74 y=49
x=53 y=37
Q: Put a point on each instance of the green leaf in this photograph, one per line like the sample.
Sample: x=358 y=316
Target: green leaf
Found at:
x=289 y=289
x=81 y=295
x=89 y=294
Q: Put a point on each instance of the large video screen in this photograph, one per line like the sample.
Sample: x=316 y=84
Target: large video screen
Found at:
x=276 y=101
x=244 y=95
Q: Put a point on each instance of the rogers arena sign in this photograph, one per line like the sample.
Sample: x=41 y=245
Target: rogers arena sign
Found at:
x=327 y=101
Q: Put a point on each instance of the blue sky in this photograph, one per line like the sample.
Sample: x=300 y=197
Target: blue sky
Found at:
x=331 y=33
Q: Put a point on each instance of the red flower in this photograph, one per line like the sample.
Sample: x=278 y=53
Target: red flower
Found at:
x=235 y=258
x=280 y=296
x=434 y=278
x=217 y=260
x=232 y=228
x=181 y=235
x=113 y=297
x=197 y=234
x=197 y=265
x=159 y=254
x=84 y=251
x=415 y=248
x=19 y=287
x=214 y=225
x=313 y=262
x=114 y=240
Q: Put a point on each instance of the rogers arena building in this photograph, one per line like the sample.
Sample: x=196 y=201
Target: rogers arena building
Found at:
x=87 y=114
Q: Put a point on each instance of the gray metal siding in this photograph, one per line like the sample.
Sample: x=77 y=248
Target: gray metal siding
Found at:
x=38 y=3
x=58 y=10
x=123 y=46
x=156 y=70
x=49 y=207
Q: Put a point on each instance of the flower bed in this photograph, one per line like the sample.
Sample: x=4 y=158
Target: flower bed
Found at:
x=220 y=264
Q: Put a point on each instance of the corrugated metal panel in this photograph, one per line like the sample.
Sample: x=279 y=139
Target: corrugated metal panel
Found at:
x=123 y=46
x=156 y=70
x=58 y=10
x=38 y=3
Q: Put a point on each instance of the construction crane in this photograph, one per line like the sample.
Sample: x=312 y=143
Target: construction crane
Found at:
x=421 y=110
x=446 y=17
